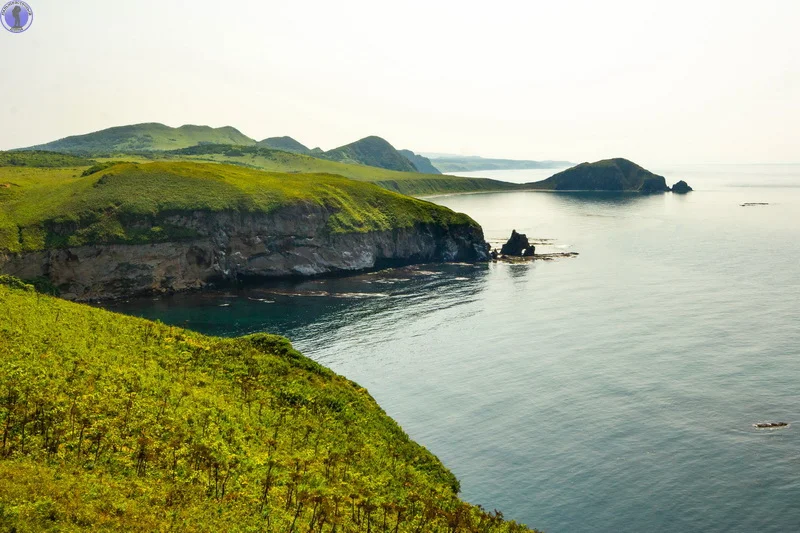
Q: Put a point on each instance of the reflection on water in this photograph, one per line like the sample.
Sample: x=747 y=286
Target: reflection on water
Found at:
x=296 y=308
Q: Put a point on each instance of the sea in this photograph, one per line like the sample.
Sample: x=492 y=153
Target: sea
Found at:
x=616 y=390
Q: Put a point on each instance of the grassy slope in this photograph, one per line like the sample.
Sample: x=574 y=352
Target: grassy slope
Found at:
x=411 y=183
x=117 y=423
x=286 y=143
x=148 y=136
x=41 y=159
x=48 y=208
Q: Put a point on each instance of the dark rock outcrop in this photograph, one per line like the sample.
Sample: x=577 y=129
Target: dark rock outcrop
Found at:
x=617 y=174
x=518 y=246
x=293 y=241
x=767 y=425
x=681 y=188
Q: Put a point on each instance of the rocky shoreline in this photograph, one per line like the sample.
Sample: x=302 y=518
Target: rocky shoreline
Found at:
x=287 y=243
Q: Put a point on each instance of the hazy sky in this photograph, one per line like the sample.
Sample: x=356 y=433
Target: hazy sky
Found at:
x=657 y=82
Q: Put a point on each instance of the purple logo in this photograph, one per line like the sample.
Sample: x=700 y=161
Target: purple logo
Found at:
x=16 y=16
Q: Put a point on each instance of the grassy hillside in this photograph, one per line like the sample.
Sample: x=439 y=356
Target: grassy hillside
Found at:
x=143 y=137
x=113 y=423
x=51 y=208
x=287 y=144
x=410 y=183
x=371 y=151
x=608 y=175
x=42 y=159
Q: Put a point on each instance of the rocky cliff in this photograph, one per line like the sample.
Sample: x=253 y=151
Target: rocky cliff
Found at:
x=293 y=241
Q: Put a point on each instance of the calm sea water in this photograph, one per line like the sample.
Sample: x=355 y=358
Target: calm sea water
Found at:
x=615 y=391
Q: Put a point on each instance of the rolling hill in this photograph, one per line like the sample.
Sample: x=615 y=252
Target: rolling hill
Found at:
x=410 y=183
x=114 y=423
x=371 y=151
x=144 y=137
x=287 y=144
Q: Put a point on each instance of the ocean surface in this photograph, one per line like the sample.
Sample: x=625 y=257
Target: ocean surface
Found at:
x=613 y=391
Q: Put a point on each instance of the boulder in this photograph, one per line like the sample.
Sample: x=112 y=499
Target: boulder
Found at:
x=681 y=187
x=517 y=245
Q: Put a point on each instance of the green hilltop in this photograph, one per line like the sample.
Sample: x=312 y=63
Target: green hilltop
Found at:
x=287 y=144
x=607 y=175
x=371 y=151
x=144 y=137
x=115 y=423
x=43 y=208
x=410 y=183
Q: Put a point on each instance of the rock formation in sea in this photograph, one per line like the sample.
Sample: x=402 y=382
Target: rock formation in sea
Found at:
x=518 y=246
x=681 y=187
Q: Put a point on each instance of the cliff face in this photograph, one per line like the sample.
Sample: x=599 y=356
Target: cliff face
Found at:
x=292 y=241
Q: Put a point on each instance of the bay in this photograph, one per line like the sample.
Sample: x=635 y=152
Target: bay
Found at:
x=613 y=391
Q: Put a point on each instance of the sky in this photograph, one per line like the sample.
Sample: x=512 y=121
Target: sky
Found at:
x=704 y=81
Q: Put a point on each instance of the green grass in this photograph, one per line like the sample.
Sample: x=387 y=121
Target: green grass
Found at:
x=114 y=423
x=410 y=183
x=132 y=202
x=41 y=158
x=148 y=136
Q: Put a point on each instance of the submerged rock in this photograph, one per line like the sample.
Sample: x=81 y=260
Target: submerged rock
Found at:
x=681 y=188
x=766 y=425
x=518 y=246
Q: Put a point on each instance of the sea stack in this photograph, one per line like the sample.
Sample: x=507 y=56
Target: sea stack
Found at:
x=518 y=246
x=681 y=188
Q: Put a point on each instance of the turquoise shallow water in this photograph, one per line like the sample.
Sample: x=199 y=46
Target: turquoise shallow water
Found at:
x=615 y=391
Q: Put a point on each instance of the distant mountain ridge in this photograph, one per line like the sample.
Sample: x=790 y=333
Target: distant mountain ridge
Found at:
x=154 y=137
x=148 y=136
x=421 y=163
x=456 y=163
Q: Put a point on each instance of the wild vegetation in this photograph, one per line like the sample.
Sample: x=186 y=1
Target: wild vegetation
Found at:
x=410 y=183
x=114 y=423
x=285 y=143
x=148 y=136
x=371 y=151
x=134 y=202
x=41 y=159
